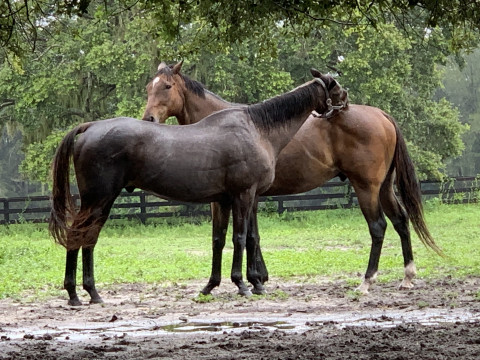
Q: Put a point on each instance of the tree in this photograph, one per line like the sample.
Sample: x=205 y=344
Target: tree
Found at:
x=102 y=60
x=100 y=68
x=231 y=21
x=461 y=86
x=11 y=182
x=382 y=68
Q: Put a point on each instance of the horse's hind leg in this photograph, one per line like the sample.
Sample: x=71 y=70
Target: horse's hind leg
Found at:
x=399 y=218
x=241 y=211
x=99 y=217
x=87 y=262
x=84 y=233
x=257 y=273
x=70 y=281
x=368 y=199
x=220 y=216
x=88 y=277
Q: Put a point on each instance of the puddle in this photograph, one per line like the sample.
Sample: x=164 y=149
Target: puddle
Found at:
x=222 y=326
x=297 y=322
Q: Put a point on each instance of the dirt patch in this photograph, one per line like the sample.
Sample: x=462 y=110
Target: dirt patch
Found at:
x=297 y=320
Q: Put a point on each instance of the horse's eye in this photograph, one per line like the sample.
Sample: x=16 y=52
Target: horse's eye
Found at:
x=168 y=86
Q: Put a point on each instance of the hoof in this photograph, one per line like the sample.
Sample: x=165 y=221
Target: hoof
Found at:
x=96 y=301
x=206 y=291
x=406 y=285
x=209 y=287
x=75 y=302
x=245 y=292
x=363 y=288
x=259 y=290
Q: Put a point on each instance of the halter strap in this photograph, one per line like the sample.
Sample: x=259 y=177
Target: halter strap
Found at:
x=330 y=108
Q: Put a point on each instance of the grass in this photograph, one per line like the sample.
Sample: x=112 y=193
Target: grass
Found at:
x=333 y=243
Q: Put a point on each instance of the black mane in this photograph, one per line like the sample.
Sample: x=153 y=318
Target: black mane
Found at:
x=278 y=110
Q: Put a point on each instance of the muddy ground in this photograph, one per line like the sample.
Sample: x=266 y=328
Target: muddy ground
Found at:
x=298 y=320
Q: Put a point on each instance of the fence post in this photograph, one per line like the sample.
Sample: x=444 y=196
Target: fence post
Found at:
x=280 y=208
x=6 y=211
x=143 y=208
x=350 y=195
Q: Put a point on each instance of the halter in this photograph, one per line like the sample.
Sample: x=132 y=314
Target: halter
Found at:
x=330 y=108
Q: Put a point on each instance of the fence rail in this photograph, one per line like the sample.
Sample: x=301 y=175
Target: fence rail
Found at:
x=141 y=205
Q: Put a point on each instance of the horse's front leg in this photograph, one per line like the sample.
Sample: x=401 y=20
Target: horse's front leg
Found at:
x=257 y=273
x=242 y=207
x=70 y=281
x=88 y=276
x=220 y=216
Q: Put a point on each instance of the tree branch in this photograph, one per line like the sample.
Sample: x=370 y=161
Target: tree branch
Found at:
x=6 y=103
x=307 y=14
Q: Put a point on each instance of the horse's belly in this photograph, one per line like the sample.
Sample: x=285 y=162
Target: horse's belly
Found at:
x=299 y=174
x=193 y=187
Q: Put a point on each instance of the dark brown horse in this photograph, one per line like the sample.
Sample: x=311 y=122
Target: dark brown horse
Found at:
x=361 y=143
x=229 y=158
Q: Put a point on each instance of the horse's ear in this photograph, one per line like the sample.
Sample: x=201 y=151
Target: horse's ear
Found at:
x=315 y=73
x=161 y=66
x=176 y=69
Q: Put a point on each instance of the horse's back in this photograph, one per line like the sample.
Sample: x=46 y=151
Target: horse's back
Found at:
x=361 y=124
x=359 y=143
x=197 y=162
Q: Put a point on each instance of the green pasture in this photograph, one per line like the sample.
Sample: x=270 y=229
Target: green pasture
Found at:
x=332 y=243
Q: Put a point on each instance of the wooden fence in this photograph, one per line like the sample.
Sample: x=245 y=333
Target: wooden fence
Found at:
x=141 y=205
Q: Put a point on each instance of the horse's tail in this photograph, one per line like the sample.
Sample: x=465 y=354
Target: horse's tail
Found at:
x=409 y=190
x=63 y=206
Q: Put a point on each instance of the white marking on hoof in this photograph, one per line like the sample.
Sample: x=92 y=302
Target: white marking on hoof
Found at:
x=406 y=284
x=365 y=286
x=410 y=272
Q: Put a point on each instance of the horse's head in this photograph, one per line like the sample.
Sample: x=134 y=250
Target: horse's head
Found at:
x=165 y=94
x=336 y=96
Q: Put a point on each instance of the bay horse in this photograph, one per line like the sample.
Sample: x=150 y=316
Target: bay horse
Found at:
x=229 y=157
x=361 y=143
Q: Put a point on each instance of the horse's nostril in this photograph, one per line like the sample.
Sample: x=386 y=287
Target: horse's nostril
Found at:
x=149 y=118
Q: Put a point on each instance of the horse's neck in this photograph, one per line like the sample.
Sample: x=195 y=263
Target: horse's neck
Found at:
x=196 y=108
x=287 y=114
x=280 y=136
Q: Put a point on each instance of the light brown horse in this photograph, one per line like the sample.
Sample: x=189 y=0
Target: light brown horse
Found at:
x=229 y=157
x=361 y=143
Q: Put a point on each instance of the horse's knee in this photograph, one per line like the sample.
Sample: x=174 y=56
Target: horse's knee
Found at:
x=252 y=241
x=240 y=240
x=377 y=228
x=218 y=243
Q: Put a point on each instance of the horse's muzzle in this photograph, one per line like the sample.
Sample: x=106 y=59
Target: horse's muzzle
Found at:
x=150 y=118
